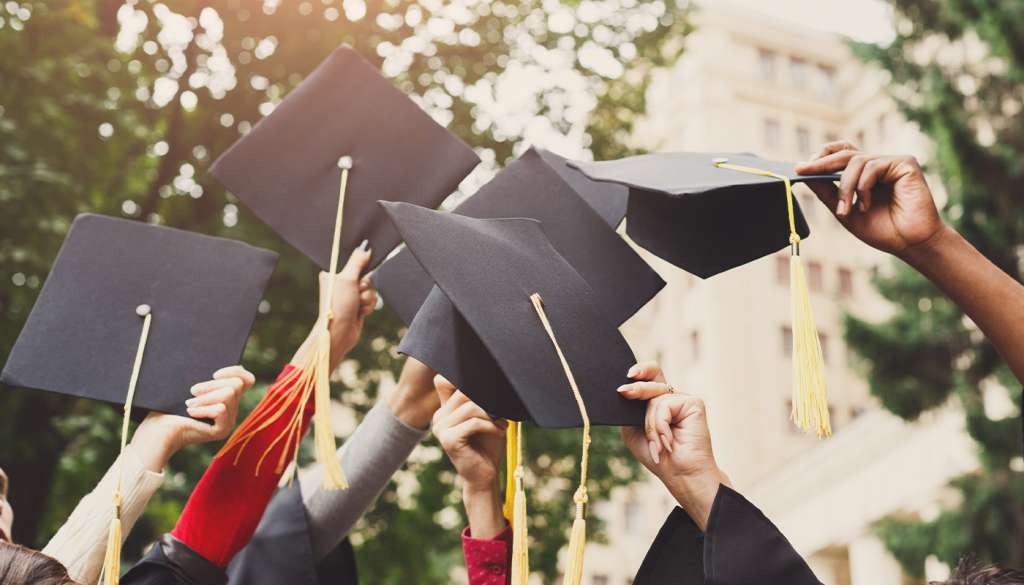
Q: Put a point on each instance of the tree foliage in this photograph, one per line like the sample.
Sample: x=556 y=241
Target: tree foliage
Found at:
x=957 y=68
x=120 y=107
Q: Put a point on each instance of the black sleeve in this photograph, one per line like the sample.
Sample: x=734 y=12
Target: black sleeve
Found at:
x=171 y=562
x=740 y=547
x=743 y=547
x=675 y=558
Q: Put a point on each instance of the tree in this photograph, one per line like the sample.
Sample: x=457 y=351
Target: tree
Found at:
x=119 y=107
x=957 y=68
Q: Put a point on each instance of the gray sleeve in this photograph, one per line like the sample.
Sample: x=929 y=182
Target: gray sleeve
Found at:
x=375 y=451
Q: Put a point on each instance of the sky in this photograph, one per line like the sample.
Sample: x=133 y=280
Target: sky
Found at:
x=862 y=20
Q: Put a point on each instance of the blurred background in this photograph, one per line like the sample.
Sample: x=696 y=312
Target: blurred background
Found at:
x=119 y=107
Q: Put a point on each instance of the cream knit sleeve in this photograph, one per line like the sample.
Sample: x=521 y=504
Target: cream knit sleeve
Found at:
x=81 y=542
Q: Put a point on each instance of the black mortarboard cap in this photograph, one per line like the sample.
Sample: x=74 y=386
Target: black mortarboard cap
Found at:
x=532 y=188
x=488 y=269
x=287 y=168
x=702 y=218
x=609 y=200
x=83 y=332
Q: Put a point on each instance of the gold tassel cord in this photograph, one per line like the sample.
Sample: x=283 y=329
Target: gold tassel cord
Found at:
x=111 y=572
x=511 y=460
x=520 y=537
x=810 y=389
x=312 y=377
x=578 y=536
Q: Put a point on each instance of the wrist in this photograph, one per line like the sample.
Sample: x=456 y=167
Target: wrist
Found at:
x=153 y=449
x=926 y=254
x=483 y=509
x=696 y=492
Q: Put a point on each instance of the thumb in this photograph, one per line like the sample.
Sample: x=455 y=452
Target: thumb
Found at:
x=444 y=388
x=357 y=262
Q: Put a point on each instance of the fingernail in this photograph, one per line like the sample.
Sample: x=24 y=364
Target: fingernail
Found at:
x=190 y=402
x=841 y=208
x=622 y=389
x=195 y=390
x=632 y=371
x=668 y=444
x=365 y=245
x=654 y=451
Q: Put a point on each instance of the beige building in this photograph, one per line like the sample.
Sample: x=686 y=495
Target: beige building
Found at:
x=748 y=83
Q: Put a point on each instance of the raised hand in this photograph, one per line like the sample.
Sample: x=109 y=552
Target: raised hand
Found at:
x=895 y=210
x=354 y=298
x=675 y=443
x=160 y=436
x=475 y=443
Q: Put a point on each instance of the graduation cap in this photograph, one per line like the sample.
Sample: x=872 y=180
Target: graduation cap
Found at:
x=710 y=212
x=344 y=117
x=136 y=314
x=532 y=187
x=342 y=139
x=609 y=200
x=539 y=320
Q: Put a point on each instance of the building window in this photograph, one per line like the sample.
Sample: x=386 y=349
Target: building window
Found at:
x=798 y=72
x=860 y=139
x=803 y=141
x=881 y=127
x=823 y=339
x=766 y=64
x=695 y=345
x=599 y=580
x=787 y=341
x=782 y=270
x=815 y=276
x=845 y=282
x=772 y=134
x=831 y=137
x=631 y=516
x=826 y=83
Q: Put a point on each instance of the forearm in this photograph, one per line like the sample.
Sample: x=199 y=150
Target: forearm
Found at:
x=483 y=509
x=989 y=296
x=81 y=542
x=223 y=511
x=379 y=446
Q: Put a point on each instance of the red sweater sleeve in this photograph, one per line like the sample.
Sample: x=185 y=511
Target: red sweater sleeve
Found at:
x=488 y=560
x=222 y=513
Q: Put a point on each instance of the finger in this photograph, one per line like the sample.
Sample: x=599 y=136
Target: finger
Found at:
x=474 y=427
x=644 y=390
x=874 y=172
x=218 y=396
x=466 y=411
x=211 y=385
x=831 y=163
x=650 y=429
x=650 y=371
x=835 y=146
x=367 y=297
x=368 y=307
x=848 y=184
x=366 y=283
x=210 y=411
x=357 y=262
x=236 y=372
x=444 y=388
x=663 y=420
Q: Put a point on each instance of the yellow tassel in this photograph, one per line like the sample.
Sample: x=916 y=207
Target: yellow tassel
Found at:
x=810 y=390
x=520 y=529
x=577 y=541
x=511 y=460
x=578 y=536
x=313 y=376
x=326 y=446
x=111 y=573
